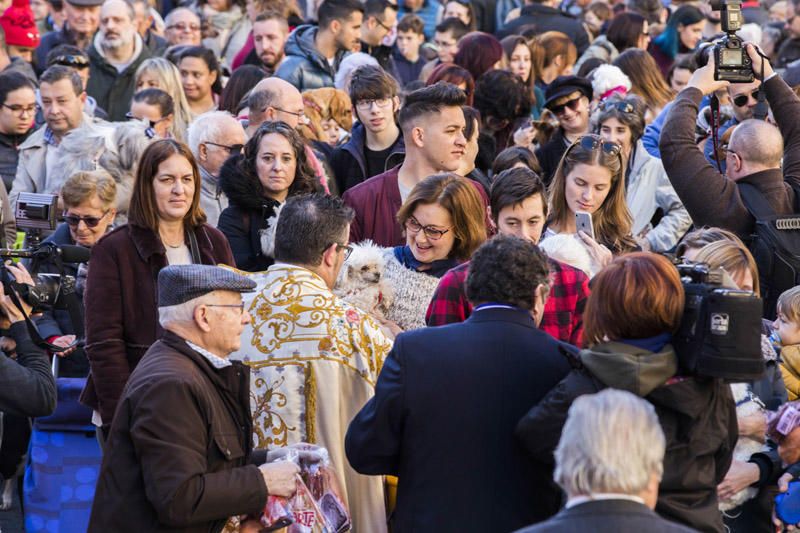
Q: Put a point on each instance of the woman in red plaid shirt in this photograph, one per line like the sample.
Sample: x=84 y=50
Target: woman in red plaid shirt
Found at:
x=518 y=207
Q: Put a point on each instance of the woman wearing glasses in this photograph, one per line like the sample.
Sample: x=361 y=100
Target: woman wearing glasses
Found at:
x=165 y=227
x=590 y=179
x=273 y=167
x=89 y=199
x=443 y=218
x=648 y=190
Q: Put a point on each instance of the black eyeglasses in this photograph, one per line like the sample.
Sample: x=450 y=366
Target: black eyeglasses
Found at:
x=433 y=234
x=624 y=107
x=299 y=114
x=593 y=142
x=382 y=25
x=347 y=249
x=742 y=99
x=233 y=149
x=572 y=104
x=21 y=111
x=91 y=222
x=73 y=61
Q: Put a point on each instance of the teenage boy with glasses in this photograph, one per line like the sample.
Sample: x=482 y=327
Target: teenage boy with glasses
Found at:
x=376 y=142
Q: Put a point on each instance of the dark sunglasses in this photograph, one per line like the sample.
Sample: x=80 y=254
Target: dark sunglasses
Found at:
x=593 y=142
x=74 y=61
x=624 y=107
x=233 y=149
x=742 y=99
x=572 y=104
x=91 y=222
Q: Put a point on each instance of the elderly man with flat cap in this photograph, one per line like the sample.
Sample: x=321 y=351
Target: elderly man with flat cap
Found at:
x=178 y=456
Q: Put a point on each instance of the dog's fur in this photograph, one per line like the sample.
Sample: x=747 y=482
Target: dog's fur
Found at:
x=361 y=280
x=746 y=404
x=570 y=250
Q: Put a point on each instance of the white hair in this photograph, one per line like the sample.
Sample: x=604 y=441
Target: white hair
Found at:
x=174 y=13
x=183 y=313
x=348 y=65
x=612 y=442
x=208 y=127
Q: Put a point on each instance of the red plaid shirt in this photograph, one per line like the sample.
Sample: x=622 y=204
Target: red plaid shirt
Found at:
x=563 y=311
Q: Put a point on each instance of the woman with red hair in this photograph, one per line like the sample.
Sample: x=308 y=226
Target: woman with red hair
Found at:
x=635 y=307
x=452 y=73
x=479 y=52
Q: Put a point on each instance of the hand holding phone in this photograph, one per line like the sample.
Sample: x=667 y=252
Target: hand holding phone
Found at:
x=583 y=222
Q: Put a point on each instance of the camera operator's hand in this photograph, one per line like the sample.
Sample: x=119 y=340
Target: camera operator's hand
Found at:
x=11 y=310
x=64 y=341
x=703 y=78
x=20 y=273
x=757 y=60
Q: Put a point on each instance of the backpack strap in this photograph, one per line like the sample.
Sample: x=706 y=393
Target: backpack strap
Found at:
x=754 y=201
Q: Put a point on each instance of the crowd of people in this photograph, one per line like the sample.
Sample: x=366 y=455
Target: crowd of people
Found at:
x=445 y=240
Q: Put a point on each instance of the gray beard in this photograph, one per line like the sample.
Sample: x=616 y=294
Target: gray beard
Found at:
x=112 y=45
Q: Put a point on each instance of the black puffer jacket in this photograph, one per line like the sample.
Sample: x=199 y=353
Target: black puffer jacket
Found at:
x=698 y=417
x=244 y=218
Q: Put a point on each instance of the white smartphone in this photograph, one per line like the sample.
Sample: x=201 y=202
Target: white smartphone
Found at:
x=583 y=222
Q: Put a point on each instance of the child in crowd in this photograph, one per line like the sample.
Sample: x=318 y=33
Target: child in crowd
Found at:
x=407 y=57
x=786 y=334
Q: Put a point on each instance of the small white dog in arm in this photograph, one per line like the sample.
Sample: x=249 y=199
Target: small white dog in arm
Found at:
x=361 y=281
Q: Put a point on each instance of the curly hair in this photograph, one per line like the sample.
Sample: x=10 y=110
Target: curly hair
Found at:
x=507 y=270
x=304 y=178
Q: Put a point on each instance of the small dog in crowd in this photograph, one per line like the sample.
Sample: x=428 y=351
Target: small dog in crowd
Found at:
x=746 y=404
x=361 y=281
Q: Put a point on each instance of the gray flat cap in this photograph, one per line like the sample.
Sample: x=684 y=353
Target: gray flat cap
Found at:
x=180 y=283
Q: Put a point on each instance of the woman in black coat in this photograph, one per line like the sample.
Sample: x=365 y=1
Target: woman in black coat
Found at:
x=273 y=167
x=635 y=306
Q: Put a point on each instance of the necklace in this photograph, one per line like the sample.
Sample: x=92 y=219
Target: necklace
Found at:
x=179 y=245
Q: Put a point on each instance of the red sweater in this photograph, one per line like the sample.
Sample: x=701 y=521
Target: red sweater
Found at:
x=376 y=202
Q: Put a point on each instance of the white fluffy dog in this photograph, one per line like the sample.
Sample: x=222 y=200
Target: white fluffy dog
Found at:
x=361 y=281
x=746 y=404
x=571 y=250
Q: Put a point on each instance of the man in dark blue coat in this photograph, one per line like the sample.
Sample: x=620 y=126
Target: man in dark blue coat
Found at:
x=448 y=399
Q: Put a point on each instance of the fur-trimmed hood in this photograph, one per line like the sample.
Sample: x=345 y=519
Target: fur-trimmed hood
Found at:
x=244 y=193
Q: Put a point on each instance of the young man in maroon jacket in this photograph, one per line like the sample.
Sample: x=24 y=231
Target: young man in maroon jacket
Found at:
x=433 y=129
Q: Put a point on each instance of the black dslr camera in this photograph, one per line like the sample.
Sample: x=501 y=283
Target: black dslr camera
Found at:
x=720 y=332
x=730 y=57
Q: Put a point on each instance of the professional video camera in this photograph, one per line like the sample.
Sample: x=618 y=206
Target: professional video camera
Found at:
x=720 y=332
x=731 y=60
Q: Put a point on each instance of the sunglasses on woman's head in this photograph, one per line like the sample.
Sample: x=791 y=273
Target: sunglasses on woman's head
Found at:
x=624 y=107
x=593 y=142
x=572 y=104
x=742 y=99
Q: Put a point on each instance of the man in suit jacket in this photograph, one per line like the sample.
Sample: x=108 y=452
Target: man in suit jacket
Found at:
x=610 y=461
x=447 y=400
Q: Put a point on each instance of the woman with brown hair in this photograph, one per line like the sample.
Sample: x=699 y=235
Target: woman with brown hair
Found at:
x=635 y=307
x=591 y=179
x=273 y=167
x=444 y=222
x=646 y=79
x=165 y=227
x=518 y=59
x=552 y=55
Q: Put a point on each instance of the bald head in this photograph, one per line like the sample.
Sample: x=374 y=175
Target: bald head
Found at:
x=757 y=143
x=281 y=101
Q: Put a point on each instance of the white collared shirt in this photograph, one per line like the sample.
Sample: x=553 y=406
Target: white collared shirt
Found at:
x=216 y=361
x=577 y=500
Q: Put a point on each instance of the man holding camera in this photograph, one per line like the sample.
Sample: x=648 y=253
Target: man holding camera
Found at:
x=753 y=155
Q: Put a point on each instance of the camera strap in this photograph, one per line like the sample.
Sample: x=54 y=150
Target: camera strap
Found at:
x=715 y=130
x=761 y=110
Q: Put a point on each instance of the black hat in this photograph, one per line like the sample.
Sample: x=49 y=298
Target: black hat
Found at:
x=566 y=85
